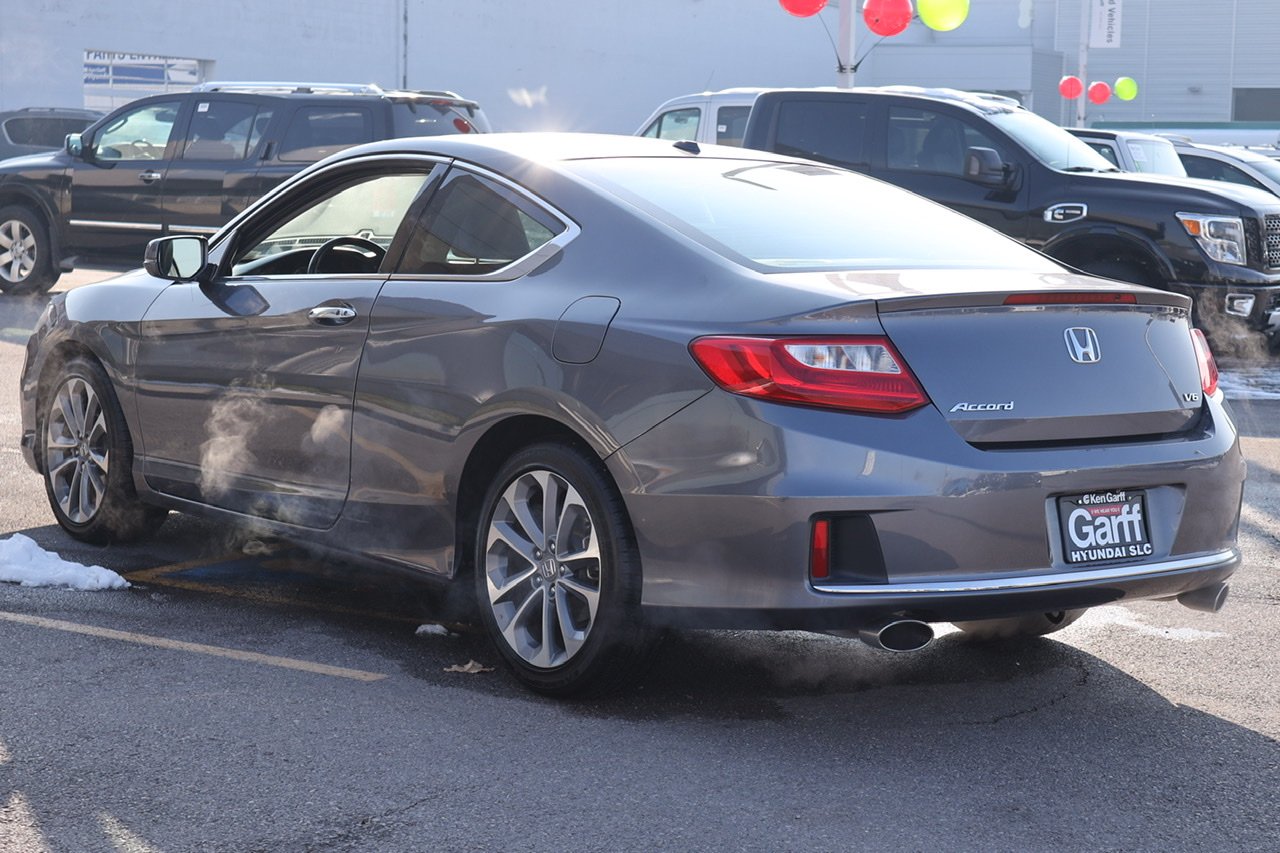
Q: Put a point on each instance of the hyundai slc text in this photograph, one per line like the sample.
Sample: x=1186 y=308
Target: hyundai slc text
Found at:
x=607 y=384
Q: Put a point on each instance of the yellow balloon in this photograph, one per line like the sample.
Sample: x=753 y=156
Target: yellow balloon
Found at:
x=1126 y=88
x=942 y=15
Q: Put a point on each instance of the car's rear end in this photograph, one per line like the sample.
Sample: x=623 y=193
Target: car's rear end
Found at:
x=956 y=428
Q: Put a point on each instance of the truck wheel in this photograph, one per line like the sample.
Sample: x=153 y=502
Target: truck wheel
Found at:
x=26 y=260
x=557 y=574
x=1033 y=625
x=88 y=458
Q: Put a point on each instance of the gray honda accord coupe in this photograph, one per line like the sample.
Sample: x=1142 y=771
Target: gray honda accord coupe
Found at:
x=606 y=385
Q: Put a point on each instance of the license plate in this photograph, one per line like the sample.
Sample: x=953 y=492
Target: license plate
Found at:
x=1099 y=527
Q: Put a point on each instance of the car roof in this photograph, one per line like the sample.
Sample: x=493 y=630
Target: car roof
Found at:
x=551 y=147
x=1098 y=133
x=1234 y=152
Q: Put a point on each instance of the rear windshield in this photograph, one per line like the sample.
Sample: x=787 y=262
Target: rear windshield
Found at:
x=791 y=216
x=436 y=118
x=44 y=131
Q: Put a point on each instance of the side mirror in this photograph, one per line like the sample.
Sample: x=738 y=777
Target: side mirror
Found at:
x=181 y=258
x=74 y=145
x=984 y=166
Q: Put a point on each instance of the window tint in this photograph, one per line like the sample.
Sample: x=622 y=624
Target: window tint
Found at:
x=828 y=131
x=675 y=124
x=139 y=134
x=316 y=132
x=1215 y=170
x=928 y=141
x=731 y=123
x=370 y=208
x=45 y=131
x=220 y=130
x=785 y=216
x=474 y=226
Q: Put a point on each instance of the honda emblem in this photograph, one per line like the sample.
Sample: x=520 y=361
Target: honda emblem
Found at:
x=1082 y=345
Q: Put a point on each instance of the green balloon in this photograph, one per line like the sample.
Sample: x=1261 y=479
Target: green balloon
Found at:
x=1126 y=88
x=942 y=15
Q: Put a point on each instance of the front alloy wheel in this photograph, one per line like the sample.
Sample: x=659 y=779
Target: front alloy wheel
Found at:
x=26 y=264
x=558 y=576
x=77 y=451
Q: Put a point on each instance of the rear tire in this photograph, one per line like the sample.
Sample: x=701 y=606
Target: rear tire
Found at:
x=87 y=457
x=1031 y=625
x=557 y=574
x=26 y=259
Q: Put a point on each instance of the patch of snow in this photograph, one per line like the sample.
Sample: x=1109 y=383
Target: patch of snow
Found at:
x=432 y=629
x=24 y=562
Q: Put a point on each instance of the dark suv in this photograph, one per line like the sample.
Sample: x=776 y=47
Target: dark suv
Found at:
x=986 y=156
x=188 y=162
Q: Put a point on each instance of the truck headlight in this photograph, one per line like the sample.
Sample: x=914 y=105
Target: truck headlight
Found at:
x=1221 y=237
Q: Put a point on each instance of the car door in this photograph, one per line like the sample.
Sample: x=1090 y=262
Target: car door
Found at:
x=246 y=382
x=924 y=152
x=210 y=178
x=116 y=201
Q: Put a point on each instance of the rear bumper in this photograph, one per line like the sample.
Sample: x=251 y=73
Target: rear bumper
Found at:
x=724 y=517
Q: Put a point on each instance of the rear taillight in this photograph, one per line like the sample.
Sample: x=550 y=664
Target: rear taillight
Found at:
x=860 y=374
x=1208 y=367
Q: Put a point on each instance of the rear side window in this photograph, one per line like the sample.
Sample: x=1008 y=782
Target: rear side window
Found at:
x=675 y=124
x=45 y=131
x=827 y=131
x=1106 y=151
x=731 y=122
x=1214 y=170
x=473 y=226
x=221 y=130
x=316 y=132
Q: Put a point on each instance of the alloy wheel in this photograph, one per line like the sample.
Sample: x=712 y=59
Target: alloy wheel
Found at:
x=17 y=251
x=543 y=568
x=77 y=454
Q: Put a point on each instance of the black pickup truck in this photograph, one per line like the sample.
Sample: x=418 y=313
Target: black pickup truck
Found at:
x=187 y=162
x=986 y=156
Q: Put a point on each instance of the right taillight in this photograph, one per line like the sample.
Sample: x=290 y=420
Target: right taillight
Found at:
x=860 y=374
x=1208 y=367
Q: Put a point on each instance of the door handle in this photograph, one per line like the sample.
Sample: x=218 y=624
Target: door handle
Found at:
x=150 y=176
x=331 y=315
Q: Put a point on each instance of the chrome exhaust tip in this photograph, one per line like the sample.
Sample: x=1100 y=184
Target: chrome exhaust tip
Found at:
x=897 y=635
x=1207 y=598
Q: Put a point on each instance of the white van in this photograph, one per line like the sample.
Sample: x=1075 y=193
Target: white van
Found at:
x=718 y=117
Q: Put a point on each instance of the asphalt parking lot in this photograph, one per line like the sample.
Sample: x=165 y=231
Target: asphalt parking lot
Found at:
x=246 y=695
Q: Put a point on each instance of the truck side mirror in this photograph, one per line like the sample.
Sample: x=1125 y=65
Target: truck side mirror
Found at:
x=984 y=166
x=74 y=145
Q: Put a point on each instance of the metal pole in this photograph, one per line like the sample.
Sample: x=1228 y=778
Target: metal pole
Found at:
x=1082 y=103
x=404 y=44
x=844 y=46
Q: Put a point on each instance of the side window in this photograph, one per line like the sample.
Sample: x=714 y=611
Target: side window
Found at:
x=730 y=124
x=1105 y=149
x=675 y=124
x=45 y=131
x=927 y=141
x=139 y=134
x=473 y=226
x=1215 y=170
x=827 y=131
x=316 y=132
x=220 y=130
x=365 y=212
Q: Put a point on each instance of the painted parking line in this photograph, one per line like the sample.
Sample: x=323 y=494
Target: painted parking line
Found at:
x=198 y=648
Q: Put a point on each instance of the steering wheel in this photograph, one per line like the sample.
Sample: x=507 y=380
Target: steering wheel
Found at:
x=370 y=250
x=143 y=149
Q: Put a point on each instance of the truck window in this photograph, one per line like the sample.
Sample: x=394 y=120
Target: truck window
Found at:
x=731 y=122
x=827 y=131
x=675 y=124
x=928 y=141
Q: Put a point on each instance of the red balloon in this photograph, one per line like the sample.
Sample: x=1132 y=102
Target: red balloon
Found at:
x=887 y=17
x=1099 y=92
x=803 y=8
x=1070 y=87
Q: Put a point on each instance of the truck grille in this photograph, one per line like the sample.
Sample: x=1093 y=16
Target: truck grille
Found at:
x=1271 y=240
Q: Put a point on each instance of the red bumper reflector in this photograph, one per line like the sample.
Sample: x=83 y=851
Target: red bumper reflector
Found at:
x=820 y=550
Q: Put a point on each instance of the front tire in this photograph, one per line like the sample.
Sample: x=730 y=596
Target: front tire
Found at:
x=87 y=458
x=1032 y=625
x=558 y=574
x=26 y=259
